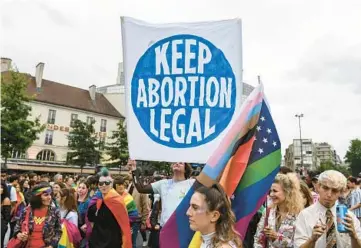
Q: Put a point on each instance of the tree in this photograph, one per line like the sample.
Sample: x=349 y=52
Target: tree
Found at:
x=84 y=145
x=328 y=165
x=18 y=129
x=353 y=156
x=161 y=167
x=118 y=149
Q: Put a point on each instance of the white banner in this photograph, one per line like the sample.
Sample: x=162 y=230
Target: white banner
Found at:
x=183 y=87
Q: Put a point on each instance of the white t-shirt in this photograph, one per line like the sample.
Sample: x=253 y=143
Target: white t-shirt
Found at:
x=13 y=197
x=72 y=216
x=171 y=194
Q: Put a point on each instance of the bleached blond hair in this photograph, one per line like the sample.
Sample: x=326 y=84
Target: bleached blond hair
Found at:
x=333 y=179
x=291 y=188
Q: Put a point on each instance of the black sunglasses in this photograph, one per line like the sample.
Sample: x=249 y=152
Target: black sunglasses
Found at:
x=104 y=183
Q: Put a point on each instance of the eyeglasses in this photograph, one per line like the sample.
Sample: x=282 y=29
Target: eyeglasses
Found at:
x=104 y=183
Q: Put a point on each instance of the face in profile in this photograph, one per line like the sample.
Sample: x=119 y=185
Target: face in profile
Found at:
x=199 y=215
x=277 y=194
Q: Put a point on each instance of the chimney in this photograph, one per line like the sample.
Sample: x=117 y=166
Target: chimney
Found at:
x=39 y=74
x=92 y=92
x=5 y=64
x=120 y=76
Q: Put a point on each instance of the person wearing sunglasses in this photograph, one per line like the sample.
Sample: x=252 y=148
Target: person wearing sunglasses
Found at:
x=107 y=212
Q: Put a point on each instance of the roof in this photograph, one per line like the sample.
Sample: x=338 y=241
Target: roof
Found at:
x=68 y=96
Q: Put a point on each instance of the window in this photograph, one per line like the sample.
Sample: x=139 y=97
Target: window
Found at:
x=73 y=118
x=17 y=154
x=47 y=155
x=49 y=137
x=103 y=125
x=51 y=116
x=89 y=120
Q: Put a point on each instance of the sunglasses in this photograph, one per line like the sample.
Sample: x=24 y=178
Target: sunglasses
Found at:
x=104 y=183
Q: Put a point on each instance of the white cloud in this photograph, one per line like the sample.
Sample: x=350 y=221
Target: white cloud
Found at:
x=307 y=52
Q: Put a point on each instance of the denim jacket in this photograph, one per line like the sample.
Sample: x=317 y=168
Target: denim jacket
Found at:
x=52 y=229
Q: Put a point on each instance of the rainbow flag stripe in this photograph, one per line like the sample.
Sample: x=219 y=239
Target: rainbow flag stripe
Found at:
x=239 y=163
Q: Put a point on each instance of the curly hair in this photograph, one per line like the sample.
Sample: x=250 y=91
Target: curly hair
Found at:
x=217 y=200
x=291 y=188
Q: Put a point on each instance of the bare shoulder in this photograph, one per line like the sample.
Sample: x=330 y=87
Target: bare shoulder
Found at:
x=6 y=201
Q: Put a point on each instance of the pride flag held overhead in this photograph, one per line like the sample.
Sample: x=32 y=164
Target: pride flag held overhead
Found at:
x=246 y=163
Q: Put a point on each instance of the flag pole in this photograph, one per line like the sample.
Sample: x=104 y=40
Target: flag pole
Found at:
x=259 y=79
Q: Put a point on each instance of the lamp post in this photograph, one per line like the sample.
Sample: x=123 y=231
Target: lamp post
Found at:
x=299 y=116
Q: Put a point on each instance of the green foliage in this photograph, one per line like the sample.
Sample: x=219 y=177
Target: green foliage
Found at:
x=353 y=156
x=18 y=130
x=328 y=165
x=161 y=167
x=83 y=144
x=118 y=148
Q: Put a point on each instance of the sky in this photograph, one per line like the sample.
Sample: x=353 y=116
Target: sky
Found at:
x=308 y=53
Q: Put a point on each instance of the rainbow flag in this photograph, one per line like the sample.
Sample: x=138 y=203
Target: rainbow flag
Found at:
x=70 y=237
x=238 y=164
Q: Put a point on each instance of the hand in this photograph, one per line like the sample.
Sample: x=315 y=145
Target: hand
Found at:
x=317 y=232
x=132 y=165
x=156 y=227
x=270 y=233
x=83 y=228
x=22 y=236
x=348 y=222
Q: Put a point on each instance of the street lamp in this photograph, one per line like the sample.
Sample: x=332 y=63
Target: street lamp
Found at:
x=299 y=116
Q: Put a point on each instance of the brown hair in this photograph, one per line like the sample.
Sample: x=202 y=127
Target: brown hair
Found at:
x=187 y=170
x=70 y=201
x=305 y=190
x=217 y=200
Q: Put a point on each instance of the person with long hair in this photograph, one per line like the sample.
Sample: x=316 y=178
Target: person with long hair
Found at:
x=19 y=207
x=69 y=217
x=277 y=225
x=44 y=220
x=5 y=211
x=56 y=194
x=25 y=188
x=210 y=213
x=68 y=207
x=306 y=194
x=83 y=203
x=107 y=212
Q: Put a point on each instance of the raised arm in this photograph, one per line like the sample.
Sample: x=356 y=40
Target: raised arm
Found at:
x=143 y=189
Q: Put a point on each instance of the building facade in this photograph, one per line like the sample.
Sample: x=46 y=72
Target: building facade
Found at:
x=327 y=153
x=293 y=155
x=57 y=106
x=313 y=154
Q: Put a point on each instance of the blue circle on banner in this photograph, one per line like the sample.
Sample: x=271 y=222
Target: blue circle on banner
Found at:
x=183 y=91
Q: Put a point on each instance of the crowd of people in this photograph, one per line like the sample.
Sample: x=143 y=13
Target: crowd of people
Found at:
x=106 y=211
